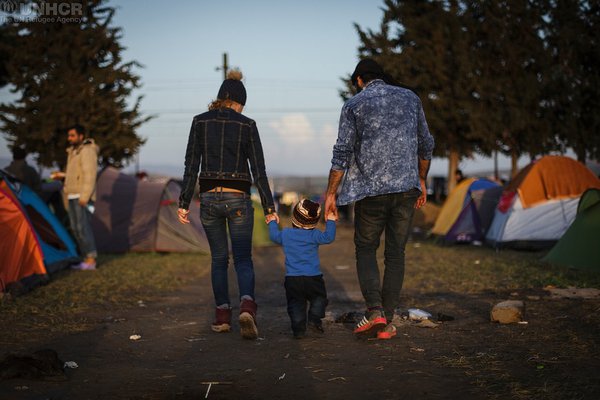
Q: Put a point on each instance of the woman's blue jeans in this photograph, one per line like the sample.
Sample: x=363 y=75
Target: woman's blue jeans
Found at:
x=220 y=212
x=392 y=213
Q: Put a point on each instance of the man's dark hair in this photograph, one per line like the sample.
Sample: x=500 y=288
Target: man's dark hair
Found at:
x=370 y=76
x=19 y=153
x=78 y=128
x=368 y=70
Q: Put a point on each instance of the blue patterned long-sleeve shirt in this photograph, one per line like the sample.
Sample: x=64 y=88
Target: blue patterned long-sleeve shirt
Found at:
x=382 y=135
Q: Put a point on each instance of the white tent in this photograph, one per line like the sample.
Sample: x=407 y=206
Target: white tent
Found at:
x=541 y=225
x=540 y=203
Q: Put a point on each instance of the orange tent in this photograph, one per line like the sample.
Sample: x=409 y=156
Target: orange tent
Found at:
x=21 y=258
x=552 y=177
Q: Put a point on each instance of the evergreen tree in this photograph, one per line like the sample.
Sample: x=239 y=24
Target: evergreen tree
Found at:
x=511 y=71
x=427 y=45
x=573 y=91
x=4 y=56
x=516 y=76
x=66 y=73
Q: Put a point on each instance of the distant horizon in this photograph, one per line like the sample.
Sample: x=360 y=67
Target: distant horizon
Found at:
x=284 y=182
x=439 y=168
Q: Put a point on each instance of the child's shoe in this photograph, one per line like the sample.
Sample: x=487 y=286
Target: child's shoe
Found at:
x=316 y=327
x=299 y=334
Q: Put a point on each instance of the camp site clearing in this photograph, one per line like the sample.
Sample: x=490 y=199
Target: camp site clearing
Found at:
x=139 y=328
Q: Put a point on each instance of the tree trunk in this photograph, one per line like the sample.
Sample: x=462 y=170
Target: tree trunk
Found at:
x=581 y=153
x=514 y=168
x=453 y=159
x=496 y=173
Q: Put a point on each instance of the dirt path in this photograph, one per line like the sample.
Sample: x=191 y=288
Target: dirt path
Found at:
x=177 y=354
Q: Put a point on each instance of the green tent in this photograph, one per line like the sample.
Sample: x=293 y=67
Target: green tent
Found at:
x=578 y=247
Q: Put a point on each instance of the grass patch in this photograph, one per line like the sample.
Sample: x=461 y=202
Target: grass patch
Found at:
x=120 y=282
x=471 y=269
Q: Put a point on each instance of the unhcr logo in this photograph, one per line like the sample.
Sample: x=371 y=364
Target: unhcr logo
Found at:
x=42 y=11
x=8 y=7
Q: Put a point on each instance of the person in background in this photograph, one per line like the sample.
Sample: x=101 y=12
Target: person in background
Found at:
x=384 y=149
x=23 y=171
x=224 y=145
x=79 y=191
x=303 y=278
x=458 y=174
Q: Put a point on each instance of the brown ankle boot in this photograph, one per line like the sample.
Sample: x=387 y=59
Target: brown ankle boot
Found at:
x=248 y=327
x=222 y=320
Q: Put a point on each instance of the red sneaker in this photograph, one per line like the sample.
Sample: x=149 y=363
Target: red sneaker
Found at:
x=222 y=320
x=247 y=319
x=387 y=333
x=370 y=324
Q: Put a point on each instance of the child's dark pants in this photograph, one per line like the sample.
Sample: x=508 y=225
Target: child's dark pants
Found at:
x=300 y=290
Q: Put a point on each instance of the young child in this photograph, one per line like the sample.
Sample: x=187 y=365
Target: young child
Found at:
x=303 y=278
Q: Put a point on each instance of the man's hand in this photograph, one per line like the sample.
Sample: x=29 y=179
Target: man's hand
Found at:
x=56 y=175
x=82 y=202
x=272 y=217
x=335 y=177
x=330 y=207
x=182 y=215
x=423 y=197
x=423 y=170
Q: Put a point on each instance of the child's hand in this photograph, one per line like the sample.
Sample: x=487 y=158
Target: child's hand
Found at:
x=331 y=217
x=270 y=217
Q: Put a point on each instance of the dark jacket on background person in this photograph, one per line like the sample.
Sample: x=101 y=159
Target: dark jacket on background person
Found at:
x=221 y=144
x=25 y=173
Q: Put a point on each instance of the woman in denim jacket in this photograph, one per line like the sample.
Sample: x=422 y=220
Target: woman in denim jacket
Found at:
x=225 y=146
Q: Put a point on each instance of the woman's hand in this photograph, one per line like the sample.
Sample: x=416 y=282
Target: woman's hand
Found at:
x=182 y=214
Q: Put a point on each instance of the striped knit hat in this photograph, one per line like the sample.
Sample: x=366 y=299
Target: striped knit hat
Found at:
x=306 y=214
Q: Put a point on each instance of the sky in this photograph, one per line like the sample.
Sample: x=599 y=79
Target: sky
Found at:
x=293 y=55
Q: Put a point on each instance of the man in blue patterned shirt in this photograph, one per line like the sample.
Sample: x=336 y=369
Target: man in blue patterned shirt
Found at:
x=384 y=149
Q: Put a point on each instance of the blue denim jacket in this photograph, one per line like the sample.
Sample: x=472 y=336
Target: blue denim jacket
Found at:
x=382 y=135
x=221 y=144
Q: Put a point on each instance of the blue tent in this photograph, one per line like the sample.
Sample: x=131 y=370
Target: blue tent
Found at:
x=58 y=248
x=468 y=211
